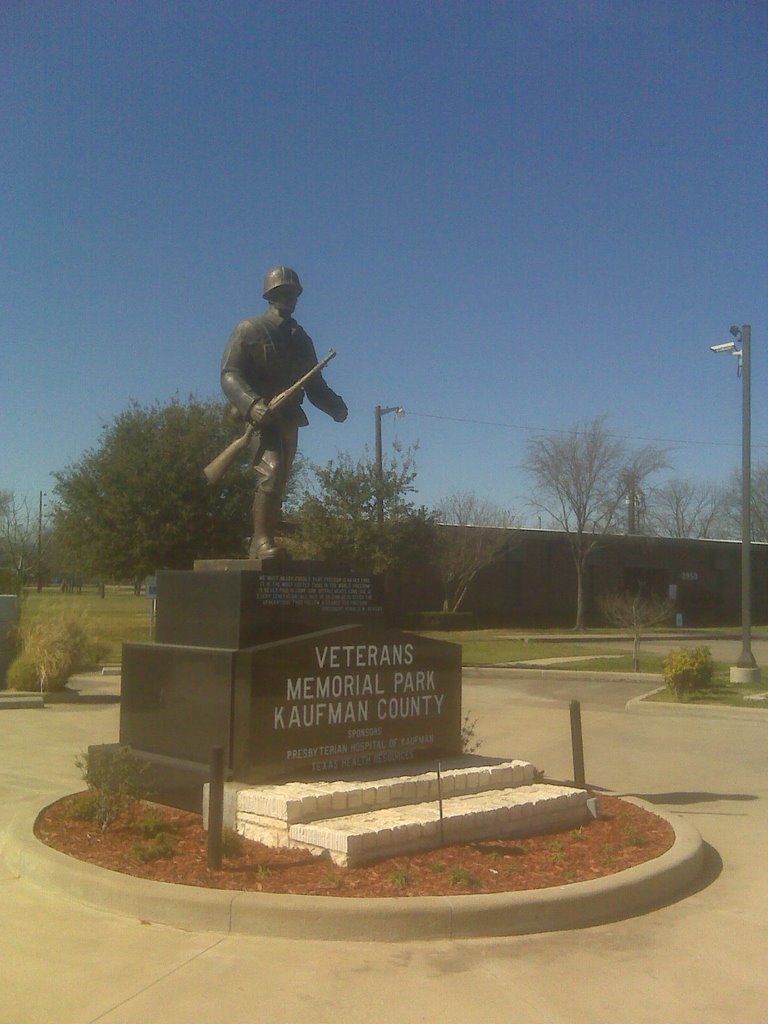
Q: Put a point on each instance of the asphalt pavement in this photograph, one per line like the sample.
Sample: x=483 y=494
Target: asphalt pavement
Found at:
x=701 y=959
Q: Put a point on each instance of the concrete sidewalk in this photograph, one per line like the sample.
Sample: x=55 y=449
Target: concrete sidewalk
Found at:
x=701 y=959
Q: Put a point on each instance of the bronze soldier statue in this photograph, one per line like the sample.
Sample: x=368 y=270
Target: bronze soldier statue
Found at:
x=266 y=355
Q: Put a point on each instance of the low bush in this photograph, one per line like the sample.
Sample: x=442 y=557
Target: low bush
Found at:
x=688 y=670
x=161 y=847
x=231 y=843
x=154 y=824
x=84 y=806
x=460 y=876
x=51 y=651
x=399 y=877
x=113 y=776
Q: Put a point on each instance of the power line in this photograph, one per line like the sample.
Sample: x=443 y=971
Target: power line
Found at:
x=544 y=430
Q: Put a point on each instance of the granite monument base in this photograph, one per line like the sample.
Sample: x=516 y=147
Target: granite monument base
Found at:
x=289 y=668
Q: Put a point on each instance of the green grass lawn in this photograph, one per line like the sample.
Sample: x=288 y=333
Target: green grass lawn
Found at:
x=118 y=616
x=121 y=616
x=496 y=647
x=648 y=663
x=722 y=691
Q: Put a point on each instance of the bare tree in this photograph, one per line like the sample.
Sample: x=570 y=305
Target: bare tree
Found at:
x=20 y=533
x=636 y=612
x=759 y=492
x=581 y=479
x=473 y=542
x=638 y=466
x=686 y=508
x=729 y=523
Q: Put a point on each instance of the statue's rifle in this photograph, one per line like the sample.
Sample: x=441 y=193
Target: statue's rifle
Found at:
x=216 y=469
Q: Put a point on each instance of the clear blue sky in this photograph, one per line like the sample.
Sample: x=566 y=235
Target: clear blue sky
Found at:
x=527 y=214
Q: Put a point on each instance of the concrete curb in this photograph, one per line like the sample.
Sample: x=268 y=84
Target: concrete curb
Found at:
x=562 y=673
x=578 y=905
x=644 y=706
x=13 y=700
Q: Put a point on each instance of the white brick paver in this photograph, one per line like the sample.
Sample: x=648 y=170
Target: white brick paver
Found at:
x=360 y=821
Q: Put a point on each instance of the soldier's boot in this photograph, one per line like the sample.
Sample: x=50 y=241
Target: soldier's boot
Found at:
x=266 y=511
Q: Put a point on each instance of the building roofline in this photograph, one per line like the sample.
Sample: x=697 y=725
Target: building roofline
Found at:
x=542 y=530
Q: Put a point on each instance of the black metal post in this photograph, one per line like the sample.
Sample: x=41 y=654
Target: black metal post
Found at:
x=577 y=744
x=215 y=807
x=440 y=803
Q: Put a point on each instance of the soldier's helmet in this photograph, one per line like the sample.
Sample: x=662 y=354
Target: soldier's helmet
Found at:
x=280 y=276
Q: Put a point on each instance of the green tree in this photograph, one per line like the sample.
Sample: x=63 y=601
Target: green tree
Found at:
x=336 y=516
x=139 y=501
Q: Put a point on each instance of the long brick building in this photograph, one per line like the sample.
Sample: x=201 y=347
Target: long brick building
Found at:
x=534 y=582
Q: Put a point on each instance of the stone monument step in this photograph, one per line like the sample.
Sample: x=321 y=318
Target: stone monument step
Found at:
x=370 y=834
x=299 y=802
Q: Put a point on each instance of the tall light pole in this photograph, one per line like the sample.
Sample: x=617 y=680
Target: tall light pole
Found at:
x=380 y=411
x=745 y=670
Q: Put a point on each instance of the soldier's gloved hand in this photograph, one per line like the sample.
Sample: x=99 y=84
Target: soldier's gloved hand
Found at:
x=258 y=413
x=340 y=412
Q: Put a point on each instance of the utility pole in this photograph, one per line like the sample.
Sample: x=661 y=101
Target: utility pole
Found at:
x=380 y=411
x=746 y=659
x=745 y=670
x=40 y=544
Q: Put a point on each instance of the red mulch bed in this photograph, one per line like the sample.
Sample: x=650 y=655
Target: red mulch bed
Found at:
x=623 y=836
